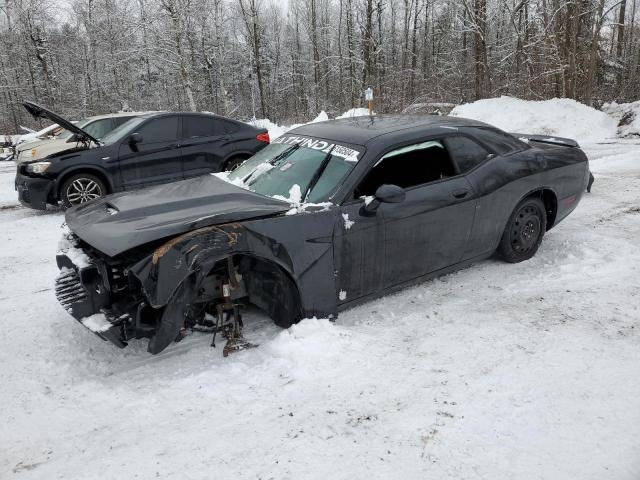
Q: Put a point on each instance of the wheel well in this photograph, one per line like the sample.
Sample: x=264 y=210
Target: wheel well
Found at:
x=243 y=156
x=271 y=288
x=550 y=201
x=95 y=173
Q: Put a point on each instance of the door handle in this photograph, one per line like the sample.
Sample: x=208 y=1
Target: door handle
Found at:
x=463 y=192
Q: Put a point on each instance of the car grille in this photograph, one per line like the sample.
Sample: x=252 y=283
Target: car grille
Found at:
x=69 y=289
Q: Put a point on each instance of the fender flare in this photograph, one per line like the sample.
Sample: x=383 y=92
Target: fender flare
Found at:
x=91 y=169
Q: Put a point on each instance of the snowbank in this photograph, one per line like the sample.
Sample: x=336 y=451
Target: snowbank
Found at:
x=627 y=115
x=322 y=117
x=276 y=130
x=354 y=112
x=559 y=117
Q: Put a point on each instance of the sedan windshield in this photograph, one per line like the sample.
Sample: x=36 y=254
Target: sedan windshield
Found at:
x=297 y=169
x=66 y=134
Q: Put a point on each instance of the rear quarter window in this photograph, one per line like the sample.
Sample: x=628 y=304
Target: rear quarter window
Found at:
x=465 y=152
x=498 y=142
x=196 y=126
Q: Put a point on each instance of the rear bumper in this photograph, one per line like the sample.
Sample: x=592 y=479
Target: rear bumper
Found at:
x=34 y=192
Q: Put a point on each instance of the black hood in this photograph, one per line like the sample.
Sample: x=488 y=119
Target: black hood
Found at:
x=119 y=222
x=40 y=112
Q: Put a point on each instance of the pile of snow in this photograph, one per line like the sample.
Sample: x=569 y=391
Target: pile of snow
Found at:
x=297 y=205
x=559 y=117
x=322 y=117
x=276 y=130
x=67 y=247
x=354 y=112
x=627 y=115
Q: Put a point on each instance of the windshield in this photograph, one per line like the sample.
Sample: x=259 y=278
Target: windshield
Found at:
x=312 y=167
x=67 y=134
x=122 y=131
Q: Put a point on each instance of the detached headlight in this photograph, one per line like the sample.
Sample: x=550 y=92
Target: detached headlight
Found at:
x=38 y=167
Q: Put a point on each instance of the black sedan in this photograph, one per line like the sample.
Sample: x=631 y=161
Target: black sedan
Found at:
x=329 y=215
x=150 y=149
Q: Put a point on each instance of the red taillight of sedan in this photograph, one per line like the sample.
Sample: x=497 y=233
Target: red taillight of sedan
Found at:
x=263 y=137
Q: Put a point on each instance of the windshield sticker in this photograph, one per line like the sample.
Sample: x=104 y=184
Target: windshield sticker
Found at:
x=349 y=154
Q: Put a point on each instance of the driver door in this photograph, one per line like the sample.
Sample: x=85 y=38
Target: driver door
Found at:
x=426 y=232
x=156 y=159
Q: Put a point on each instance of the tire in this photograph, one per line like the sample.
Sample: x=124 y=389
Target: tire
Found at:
x=233 y=163
x=524 y=231
x=81 y=188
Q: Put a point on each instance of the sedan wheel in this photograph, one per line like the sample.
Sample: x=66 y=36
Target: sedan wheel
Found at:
x=234 y=163
x=524 y=231
x=81 y=189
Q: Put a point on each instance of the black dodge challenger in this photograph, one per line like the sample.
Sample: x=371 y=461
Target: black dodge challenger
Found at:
x=328 y=215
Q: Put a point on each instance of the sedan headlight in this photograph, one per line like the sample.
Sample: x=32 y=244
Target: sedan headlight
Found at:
x=38 y=167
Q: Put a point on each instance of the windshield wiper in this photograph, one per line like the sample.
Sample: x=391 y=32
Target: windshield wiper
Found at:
x=317 y=174
x=285 y=153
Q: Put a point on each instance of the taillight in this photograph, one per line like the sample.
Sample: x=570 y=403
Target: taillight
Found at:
x=263 y=137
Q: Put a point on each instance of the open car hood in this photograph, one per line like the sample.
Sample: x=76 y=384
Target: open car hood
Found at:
x=40 y=112
x=123 y=221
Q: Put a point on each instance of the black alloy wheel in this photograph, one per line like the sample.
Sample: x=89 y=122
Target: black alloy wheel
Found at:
x=525 y=229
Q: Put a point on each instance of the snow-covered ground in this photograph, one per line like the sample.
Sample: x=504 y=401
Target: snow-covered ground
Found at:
x=526 y=371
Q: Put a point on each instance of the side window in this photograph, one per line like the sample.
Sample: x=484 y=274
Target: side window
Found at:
x=408 y=167
x=196 y=126
x=163 y=129
x=99 y=128
x=465 y=152
x=500 y=142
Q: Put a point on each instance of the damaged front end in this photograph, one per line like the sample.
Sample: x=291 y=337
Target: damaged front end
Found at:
x=89 y=285
x=195 y=281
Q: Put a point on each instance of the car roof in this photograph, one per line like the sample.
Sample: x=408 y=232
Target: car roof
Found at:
x=202 y=114
x=205 y=114
x=361 y=130
x=119 y=114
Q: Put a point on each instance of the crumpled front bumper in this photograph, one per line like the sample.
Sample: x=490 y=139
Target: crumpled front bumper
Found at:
x=82 y=292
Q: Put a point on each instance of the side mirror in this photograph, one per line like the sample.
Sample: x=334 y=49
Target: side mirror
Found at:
x=390 y=194
x=385 y=194
x=133 y=140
